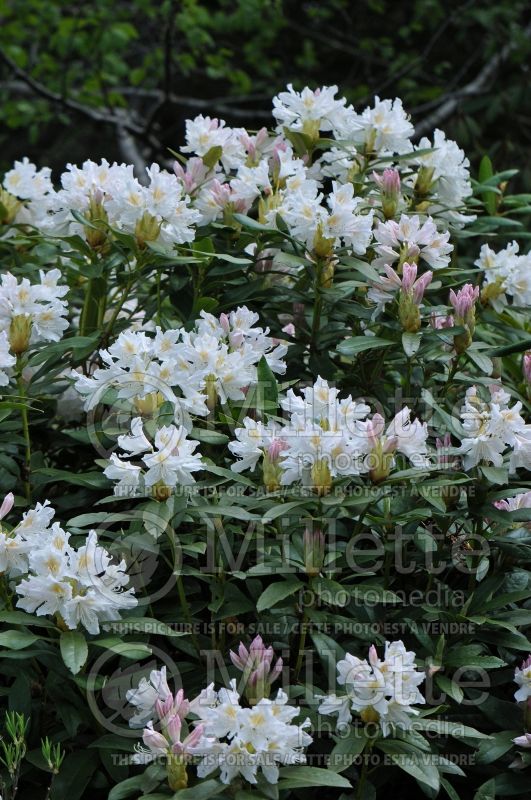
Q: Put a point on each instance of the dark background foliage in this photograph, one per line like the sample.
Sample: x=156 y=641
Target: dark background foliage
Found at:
x=118 y=79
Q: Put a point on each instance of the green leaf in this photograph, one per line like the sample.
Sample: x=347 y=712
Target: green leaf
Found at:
x=202 y=791
x=17 y=640
x=347 y=749
x=486 y=791
x=127 y=788
x=358 y=344
x=302 y=777
x=212 y=156
x=276 y=592
x=267 y=387
x=495 y=747
x=74 y=650
x=417 y=765
x=497 y=475
x=411 y=343
x=21 y=618
x=485 y=173
x=444 y=727
x=449 y=687
x=449 y=789
x=131 y=650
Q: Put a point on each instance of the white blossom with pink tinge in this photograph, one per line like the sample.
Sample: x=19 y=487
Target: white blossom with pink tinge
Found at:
x=522 y=677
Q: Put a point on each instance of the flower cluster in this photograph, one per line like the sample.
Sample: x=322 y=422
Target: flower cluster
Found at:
x=490 y=428
x=189 y=369
x=79 y=586
x=106 y=195
x=506 y=274
x=325 y=438
x=382 y=692
x=166 y=461
x=249 y=739
x=32 y=312
x=236 y=739
x=22 y=193
x=170 y=741
x=229 y=170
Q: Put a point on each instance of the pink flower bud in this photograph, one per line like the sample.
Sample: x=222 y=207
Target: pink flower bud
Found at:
x=389 y=183
x=420 y=286
x=255 y=663
x=463 y=302
x=275 y=448
x=375 y=429
x=526 y=365
x=173 y=727
x=153 y=739
x=163 y=707
x=7 y=505
x=289 y=329
x=224 y=322
x=440 y=321
x=409 y=274
x=193 y=738
x=373 y=655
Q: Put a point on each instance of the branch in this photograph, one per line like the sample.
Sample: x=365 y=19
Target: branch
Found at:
x=450 y=102
x=73 y=105
x=131 y=153
x=126 y=127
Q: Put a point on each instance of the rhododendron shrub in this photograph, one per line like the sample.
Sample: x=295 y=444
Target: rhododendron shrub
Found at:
x=266 y=467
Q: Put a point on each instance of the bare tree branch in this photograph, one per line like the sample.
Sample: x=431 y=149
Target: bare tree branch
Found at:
x=131 y=153
x=124 y=123
x=450 y=102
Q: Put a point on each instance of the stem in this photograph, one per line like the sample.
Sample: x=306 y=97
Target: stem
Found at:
x=364 y=770
x=451 y=374
x=49 y=790
x=407 y=387
x=26 y=470
x=186 y=611
x=363 y=778
x=114 y=317
x=302 y=644
x=317 y=306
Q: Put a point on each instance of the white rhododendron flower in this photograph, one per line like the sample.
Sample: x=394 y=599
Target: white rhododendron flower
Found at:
x=244 y=741
x=411 y=240
x=382 y=691
x=80 y=586
x=7 y=360
x=507 y=274
x=325 y=438
x=445 y=173
x=169 y=460
x=145 y=697
x=308 y=111
x=185 y=368
x=522 y=677
x=515 y=503
x=383 y=129
x=31 y=313
x=492 y=427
